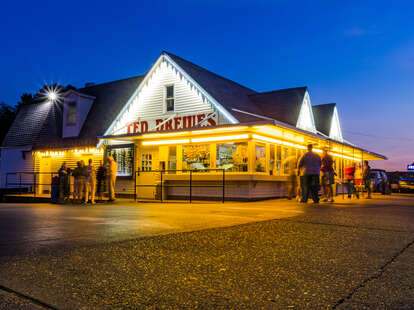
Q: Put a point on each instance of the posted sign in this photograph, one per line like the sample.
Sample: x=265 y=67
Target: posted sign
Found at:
x=410 y=167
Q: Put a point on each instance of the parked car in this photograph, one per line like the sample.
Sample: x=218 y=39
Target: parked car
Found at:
x=379 y=181
x=406 y=183
x=394 y=180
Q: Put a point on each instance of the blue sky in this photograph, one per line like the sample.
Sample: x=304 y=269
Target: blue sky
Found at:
x=359 y=54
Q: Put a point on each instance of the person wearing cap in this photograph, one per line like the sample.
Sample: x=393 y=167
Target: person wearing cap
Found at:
x=309 y=167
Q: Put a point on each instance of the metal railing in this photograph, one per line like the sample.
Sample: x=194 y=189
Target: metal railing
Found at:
x=161 y=185
x=28 y=182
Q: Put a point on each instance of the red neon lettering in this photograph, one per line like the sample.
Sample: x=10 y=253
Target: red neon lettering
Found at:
x=144 y=126
x=211 y=120
x=177 y=122
x=200 y=117
x=136 y=128
x=168 y=125
x=157 y=122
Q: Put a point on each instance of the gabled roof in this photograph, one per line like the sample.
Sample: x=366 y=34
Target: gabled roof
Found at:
x=228 y=93
x=27 y=125
x=40 y=125
x=283 y=105
x=323 y=115
x=110 y=99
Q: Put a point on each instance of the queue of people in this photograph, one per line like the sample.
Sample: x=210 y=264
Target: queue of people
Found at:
x=316 y=171
x=88 y=183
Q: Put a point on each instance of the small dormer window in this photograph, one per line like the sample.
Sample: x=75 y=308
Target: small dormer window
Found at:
x=71 y=113
x=169 y=98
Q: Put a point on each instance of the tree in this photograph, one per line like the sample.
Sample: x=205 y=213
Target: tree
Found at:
x=7 y=116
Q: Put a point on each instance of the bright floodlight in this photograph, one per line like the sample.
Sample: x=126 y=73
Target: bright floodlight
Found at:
x=52 y=96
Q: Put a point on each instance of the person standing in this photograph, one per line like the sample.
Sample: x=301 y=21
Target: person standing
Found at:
x=327 y=175
x=63 y=183
x=350 y=178
x=293 y=178
x=90 y=182
x=111 y=177
x=366 y=177
x=309 y=167
x=100 y=178
x=77 y=190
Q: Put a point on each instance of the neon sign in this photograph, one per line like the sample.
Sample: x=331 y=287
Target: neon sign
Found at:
x=179 y=122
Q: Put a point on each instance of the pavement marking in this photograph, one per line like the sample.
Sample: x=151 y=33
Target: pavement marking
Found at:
x=375 y=276
x=33 y=300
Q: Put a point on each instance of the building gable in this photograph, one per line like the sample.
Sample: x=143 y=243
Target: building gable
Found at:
x=147 y=110
x=305 y=120
x=335 y=132
x=76 y=107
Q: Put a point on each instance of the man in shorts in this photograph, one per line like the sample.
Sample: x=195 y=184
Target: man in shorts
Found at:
x=327 y=176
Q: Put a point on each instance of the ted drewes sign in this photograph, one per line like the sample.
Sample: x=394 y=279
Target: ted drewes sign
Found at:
x=410 y=167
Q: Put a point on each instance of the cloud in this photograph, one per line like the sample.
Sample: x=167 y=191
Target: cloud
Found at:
x=358 y=32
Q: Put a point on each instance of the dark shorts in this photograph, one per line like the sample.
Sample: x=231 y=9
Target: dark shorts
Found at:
x=327 y=178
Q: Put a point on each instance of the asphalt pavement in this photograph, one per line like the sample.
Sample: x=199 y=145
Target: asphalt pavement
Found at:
x=274 y=254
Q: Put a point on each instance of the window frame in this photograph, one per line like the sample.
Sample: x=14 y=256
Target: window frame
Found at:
x=109 y=148
x=71 y=108
x=166 y=98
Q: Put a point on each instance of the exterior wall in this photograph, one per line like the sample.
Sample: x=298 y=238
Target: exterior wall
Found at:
x=47 y=164
x=149 y=103
x=83 y=106
x=16 y=160
x=234 y=190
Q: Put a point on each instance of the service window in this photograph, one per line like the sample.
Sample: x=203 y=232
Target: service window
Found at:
x=172 y=159
x=196 y=157
x=124 y=157
x=260 y=164
x=278 y=159
x=272 y=159
x=232 y=156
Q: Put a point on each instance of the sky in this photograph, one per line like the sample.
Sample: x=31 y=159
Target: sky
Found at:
x=358 y=54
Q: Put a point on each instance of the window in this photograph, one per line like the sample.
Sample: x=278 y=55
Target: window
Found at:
x=196 y=157
x=278 y=159
x=232 y=156
x=146 y=162
x=71 y=113
x=124 y=157
x=260 y=158
x=272 y=159
x=169 y=98
x=172 y=159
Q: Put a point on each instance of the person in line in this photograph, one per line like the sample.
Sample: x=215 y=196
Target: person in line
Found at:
x=350 y=179
x=64 y=185
x=366 y=178
x=112 y=169
x=90 y=182
x=309 y=167
x=54 y=197
x=79 y=175
x=100 y=178
x=327 y=176
x=293 y=178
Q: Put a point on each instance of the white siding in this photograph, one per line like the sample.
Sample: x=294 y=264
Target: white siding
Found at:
x=149 y=102
x=13 y=160
x=83 y=106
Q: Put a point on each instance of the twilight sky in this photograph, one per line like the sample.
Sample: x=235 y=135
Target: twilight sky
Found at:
x=359 y=54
